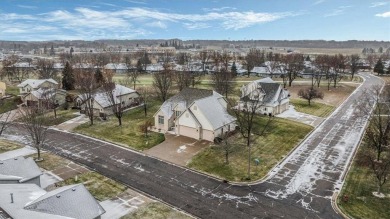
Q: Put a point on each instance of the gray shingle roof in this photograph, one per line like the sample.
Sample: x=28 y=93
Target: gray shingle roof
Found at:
x=185 y=97
x=19 y=168
x=270 y=90
x=214 y=112
x=34 y=83
x=73 y=201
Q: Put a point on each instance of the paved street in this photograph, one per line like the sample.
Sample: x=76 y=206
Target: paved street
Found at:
x=300 y=187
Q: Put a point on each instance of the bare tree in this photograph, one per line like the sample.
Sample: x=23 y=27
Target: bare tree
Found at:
x=5 y=119
x=46 y=69
x=250 y=126
x=227 y=144
x=204 y=57
x=310 y=94
x=222 y=82
x=183 y=79
x=49 y=98
x=354 y=64
x=131 y=73
x=86 y=85
x=34 y=120
x=292 y=66
x=377 y=137
x=162 y=81
x=114 y=97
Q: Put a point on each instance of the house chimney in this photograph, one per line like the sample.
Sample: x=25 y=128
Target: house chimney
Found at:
x=12 y=197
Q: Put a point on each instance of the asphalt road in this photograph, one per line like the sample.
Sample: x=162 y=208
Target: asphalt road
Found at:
x=300 y=187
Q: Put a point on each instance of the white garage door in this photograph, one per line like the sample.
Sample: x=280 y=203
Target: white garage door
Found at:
x=189 y=132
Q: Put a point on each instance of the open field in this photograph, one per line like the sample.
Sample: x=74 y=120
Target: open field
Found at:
x=315 y=108
x=329 y=51
x=284 y=136
x=6 y=145
x=128 y=134
x=156 y=210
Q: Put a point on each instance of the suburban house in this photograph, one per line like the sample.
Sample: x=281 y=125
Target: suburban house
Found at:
x=270 y=96
x=31 y=201
x=102 y=105
x=19 y=170
x=34 y=84
x=48 y=97
x=2 y=89
x=195 y=113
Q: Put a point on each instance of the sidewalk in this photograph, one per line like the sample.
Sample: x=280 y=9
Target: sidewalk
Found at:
x=73 y=123
x=292 y=114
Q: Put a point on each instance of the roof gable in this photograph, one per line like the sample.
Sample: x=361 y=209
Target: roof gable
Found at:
x=19 y=168
x=73 y=201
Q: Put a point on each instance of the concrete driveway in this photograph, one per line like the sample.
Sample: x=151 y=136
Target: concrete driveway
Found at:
x=292 y=114
x=177 y=149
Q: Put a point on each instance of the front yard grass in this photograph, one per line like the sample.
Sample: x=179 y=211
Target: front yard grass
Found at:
x=6 y=145
x=284 y=136
x=315 y=109
x=101 y=187
x=358 y=188
x=156 y=210
x=50 y=161
x=8 y=104
x=128 y=134
x=62 y=116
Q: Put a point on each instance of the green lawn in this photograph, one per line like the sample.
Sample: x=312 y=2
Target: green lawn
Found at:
x=315 y=108
x=358 y=187
x=62 y=116
x=6 y=145
x=101 y=187
x=50 y=161
x=284 y=136
x=8 y=104
x=128 y=134
x=12 y=90
x=156 y=210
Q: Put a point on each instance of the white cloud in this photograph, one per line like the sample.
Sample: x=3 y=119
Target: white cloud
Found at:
x=337 y=11
x=378 y=4
x=385 y=14
x=218 y=9
x=318 y=2
x=27 y=7
x=196 y=26
x=136 y=2
x=128 y=22
x=158 y=24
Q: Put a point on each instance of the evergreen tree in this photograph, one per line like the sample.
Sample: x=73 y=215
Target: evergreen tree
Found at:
x=308 y=58
x=234 y=69
x=139 y=65
x=379 y=68
x=99 y=77
x=68 y=77
x=388 y=70
x=52 y=53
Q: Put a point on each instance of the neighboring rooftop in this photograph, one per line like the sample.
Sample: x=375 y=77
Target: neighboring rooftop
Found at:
x=31 y=201
x=35 y=83
x=20 y=168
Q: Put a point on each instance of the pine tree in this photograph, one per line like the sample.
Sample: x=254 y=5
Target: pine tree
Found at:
x=67 y=77
x=379 y=68
x=99 y=77
x=308 y=58
x=234 y=69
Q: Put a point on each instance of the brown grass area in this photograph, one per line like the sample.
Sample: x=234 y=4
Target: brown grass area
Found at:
x=329 y=51
x=334 y=97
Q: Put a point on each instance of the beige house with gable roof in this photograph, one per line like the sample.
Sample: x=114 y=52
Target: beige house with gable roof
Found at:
x=195 y=113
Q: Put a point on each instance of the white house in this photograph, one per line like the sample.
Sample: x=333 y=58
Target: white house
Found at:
x=270 y=96
x=102 y=105
x=34 y=84
x=195 y=113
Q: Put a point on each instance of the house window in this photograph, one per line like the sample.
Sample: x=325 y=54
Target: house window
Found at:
x=123 y=102
x=177 y=113
x=161 y=120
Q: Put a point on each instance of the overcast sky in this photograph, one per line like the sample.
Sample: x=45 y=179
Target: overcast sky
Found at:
x=195 y=19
